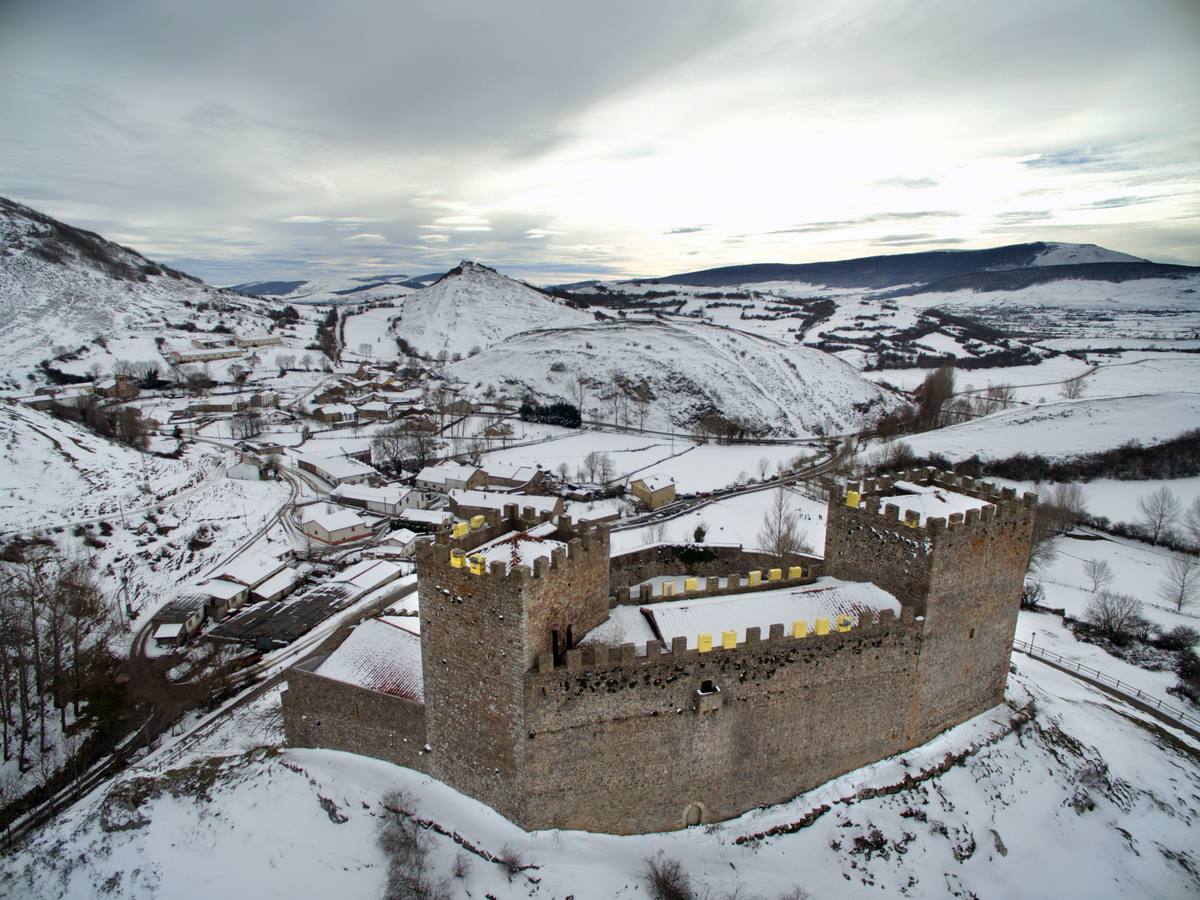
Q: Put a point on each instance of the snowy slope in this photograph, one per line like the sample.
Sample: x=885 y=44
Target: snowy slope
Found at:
x=687 y=370
x=1067 y=428
x=333 y=290
x=54 y=472
x=61 y=288
x=475 y=307
x=1064 y=793
x=1057 y=254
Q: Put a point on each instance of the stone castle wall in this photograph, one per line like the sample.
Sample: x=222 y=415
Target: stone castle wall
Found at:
x=626 y=739
x=332 y=715
x=625 y=744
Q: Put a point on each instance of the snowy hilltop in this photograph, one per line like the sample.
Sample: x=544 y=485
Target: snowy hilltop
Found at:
x=66 y=291
x=473 y=307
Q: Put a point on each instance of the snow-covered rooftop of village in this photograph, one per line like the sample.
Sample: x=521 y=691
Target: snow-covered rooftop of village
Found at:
x=250 y=568
x=338 y=466
x=369 y=574
x=425 y=516
x=333 y=520
x=381 y=656
x=280 y=581
x=390 y=493
x=929 y=502
x=655 y=482
x=825 y=598
x=443 y=472
x=221 y=589
x=497 y=500
x=510 y=471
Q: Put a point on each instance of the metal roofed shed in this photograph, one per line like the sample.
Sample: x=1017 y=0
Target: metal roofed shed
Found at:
x=251 y=569
x=369 y=574
x=277 y=586
x=826 y=598
x=380 y=656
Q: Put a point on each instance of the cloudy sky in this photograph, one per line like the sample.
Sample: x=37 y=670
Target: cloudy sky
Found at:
x=561 y=140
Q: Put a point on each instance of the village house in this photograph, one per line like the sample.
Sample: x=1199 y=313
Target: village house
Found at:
x=375 y=410
x=259 y=340
x=505 y=474
x=466 y=504
x=653 y=491
x=185 y=612
x=336 y=526
x=390 y=500
x=119 y=387
x=193 y=356
x=450 y=476
x=221 y=597
x=336 y=469
x=220 y=403
x=398 y=544
x=277 y=586
x=335 y=413
x=424 y=521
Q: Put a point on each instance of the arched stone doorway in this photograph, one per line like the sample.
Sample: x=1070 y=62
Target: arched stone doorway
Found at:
x=693 y=815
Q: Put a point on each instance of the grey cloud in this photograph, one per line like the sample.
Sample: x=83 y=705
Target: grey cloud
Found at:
x=686 y=229
x=864 y=220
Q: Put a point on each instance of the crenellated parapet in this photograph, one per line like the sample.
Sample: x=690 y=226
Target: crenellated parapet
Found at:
x=822 y=633
x=865 y=503
x=458 y=550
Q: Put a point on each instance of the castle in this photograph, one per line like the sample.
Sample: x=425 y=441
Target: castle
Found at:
x=520 y=693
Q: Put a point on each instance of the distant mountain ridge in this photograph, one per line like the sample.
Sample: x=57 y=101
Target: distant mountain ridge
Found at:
x=929 y=267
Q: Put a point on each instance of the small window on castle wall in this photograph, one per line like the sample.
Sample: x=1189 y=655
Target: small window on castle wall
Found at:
x=707 y=686
x=971 y=635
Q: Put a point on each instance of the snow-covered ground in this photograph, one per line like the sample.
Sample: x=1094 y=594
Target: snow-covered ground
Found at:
x=1065 y=428
x=1087 y=799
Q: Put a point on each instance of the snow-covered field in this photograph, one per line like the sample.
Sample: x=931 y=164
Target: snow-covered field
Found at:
x=1065 y=428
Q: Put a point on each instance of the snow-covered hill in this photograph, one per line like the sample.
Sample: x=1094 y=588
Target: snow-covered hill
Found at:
x=333 y=290
x=473 y=307
x=684 y=371
x=1057 y=254
x=1067 y=428
x=55 y=473
x=63 y=289
x=904 y=268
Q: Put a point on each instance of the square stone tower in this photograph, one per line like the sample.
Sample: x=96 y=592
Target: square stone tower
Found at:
x=962 y=573
x=495 y=594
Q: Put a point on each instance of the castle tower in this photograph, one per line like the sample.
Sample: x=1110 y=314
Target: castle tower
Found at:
x=495 y=595
x=961 y=572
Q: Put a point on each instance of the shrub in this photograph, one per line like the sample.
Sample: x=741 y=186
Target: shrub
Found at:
x=511 y=859
x=666 y=879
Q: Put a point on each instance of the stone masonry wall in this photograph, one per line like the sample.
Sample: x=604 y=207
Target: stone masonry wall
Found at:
x=332 y=715
x=627 y=745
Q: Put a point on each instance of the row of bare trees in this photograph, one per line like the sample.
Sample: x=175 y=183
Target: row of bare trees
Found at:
x=54 y=621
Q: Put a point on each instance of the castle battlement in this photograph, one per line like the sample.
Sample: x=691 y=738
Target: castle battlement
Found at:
x=471 y=546
x=867 y=501
x=822 y=630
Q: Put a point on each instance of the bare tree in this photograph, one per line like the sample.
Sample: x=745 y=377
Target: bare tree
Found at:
x=781 y=534
x=935 y=391
x=1191 y=523
x=1072 y=388
x=1159 y=512
x=395 y=445
x=1117 y=616
x=1182 y=581
x=1099 y=573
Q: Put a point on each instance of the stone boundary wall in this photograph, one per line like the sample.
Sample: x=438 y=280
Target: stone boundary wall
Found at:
x=623 y=743
x=333 y=715
x=627 y=569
